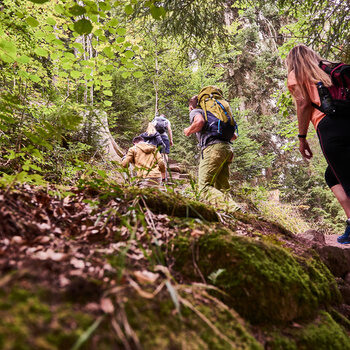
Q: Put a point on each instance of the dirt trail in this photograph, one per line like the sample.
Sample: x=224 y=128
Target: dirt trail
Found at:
x=331 y=240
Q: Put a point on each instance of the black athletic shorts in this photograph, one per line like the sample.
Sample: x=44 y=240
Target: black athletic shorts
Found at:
x=334 y=136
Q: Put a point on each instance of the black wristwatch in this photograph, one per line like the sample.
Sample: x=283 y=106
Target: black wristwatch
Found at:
x=302 y=136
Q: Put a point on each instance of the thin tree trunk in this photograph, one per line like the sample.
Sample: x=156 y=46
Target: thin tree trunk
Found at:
x=156 y=85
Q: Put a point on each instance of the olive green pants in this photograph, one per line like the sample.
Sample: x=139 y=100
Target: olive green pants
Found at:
x=213 y=175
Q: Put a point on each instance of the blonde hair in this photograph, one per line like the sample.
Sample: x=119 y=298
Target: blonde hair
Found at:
x=305 y=64
x=151 y=129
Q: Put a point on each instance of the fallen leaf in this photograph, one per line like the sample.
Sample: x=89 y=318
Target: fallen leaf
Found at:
x=17 y=240
x=146 y=276
x=107 y=305
x=49 y=254
x=197 y=233
x=78 y=264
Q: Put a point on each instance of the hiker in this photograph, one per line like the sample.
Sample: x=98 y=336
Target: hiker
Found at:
x=153 y=137
x=311 y=87
x=147 y=161
x=163 y=126
x=215 y=159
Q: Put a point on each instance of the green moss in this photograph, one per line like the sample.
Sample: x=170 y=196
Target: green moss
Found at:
x=340 y=319
x=324 y=334
x=158 y=327
x=280 y=342
x=265 y=283
x=172 y=204
x=258 y=221
x=26 y=322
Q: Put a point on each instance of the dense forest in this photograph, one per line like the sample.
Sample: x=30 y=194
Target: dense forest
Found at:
x=79 y=266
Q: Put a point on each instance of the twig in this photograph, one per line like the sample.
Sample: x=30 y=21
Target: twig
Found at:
x=196 y=266
x=120 y=334
x=208 y=322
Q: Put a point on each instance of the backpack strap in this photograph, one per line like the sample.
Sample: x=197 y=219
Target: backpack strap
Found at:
x=336 y=67
x=205 y=109
x=317 y=107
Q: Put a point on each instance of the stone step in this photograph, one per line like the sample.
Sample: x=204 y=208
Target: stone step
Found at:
x=178 y=176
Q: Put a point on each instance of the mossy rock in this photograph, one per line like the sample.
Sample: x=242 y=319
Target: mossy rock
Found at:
x=172 y=204
x=322 y=334
x=205 y=325
x=265 y=283
x=27 y=322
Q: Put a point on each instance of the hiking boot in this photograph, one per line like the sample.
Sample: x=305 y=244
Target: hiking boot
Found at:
x=345 y=238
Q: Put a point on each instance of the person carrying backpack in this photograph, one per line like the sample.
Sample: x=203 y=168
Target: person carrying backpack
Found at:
x=321 y=91
x=148 y=162
x=153 y=137
x=214 y=137
x=163 y=126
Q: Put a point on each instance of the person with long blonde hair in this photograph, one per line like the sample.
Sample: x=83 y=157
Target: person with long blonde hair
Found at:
x=153 y=137
x=333 y=131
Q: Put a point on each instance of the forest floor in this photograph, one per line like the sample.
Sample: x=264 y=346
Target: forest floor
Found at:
x=104 y=257
x=331 y=240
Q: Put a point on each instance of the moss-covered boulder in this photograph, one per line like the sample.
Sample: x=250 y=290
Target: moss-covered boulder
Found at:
x=29 y=321
x=202 y=323
x=172 y=204
x=264 y=282
x=323 y=333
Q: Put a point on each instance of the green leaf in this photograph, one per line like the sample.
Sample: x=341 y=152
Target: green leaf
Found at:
x=59 y=9
x=75 y=74
x=87 y=71
x=39 y=34
x=108 y=52
x=130 y=65
x=129 y=54
x=138 y=74
x=58 y=43
x=6 y=58
x=8 y=47
x=23 y=59
x=78 y=46
x=157 y=12
x=113 y=22
x=39 y=1
x=50 y=37
x=121 y=31
x=50 y=21
x=23 y=74
x=128 y=9
x=48 y=28
x=108 y=92
x=107 y=103
x=34 y=78
x=120 y=39
x=32 y=21
x=63 y=74
x=69 y=56
x=41 y=52
x=94 y=18
x=126 y=75
x=83 y=26
x=56 y=55
x=67 y=65
x=77 y=10
x=106 y=83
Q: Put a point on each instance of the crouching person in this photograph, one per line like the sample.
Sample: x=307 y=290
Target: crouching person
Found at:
x=147 y=162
